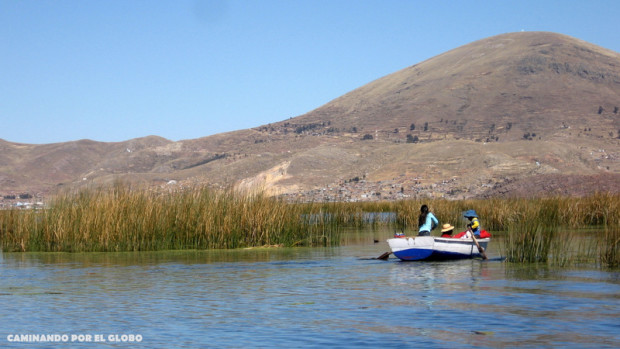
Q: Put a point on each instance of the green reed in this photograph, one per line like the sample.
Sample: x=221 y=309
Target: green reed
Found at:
x=125 y=219
x=609 y=247
x=537 y=230
x=122 y=218
x=529 y=242
x=496 y=214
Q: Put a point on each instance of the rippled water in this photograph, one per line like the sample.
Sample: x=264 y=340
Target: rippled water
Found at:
x=303 y=297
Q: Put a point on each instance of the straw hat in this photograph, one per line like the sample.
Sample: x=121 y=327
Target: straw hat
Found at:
x=446 y=227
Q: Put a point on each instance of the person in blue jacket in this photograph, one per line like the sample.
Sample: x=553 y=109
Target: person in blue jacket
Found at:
x=474 y=223
x=426 y=222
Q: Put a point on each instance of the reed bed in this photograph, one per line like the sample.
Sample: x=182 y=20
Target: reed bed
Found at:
x=125 y=219
x=609 y=248
x=530 y=241
x=537 y=230
x=121 y=218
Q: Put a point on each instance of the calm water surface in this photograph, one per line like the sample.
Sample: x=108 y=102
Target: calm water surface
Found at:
x=303 y=297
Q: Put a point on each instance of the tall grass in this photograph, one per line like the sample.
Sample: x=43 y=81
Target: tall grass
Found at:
x=609 y=247
x=125 y=219
x=121 y=218
x=496 y=214
x=538 y=230
x=529 y=241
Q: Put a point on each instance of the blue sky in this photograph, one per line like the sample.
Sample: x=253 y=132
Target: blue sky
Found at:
x=115 y=70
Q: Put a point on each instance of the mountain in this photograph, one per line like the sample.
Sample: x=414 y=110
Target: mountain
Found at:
x=528 y=113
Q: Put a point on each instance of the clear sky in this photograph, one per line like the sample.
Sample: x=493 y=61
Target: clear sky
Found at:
x=119 y=69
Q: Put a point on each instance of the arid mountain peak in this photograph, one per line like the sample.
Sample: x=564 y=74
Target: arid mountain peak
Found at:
x=510 y=114
x=530 y=80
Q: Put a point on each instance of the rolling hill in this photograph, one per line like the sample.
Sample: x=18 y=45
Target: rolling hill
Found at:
x=528 y=113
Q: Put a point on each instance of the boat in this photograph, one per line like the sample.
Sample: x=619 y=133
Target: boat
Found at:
x=436 y=248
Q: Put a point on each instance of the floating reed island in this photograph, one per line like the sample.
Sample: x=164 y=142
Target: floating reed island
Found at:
x=122 y=218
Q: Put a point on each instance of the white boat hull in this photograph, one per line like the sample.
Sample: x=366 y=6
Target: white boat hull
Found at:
x=435 y=248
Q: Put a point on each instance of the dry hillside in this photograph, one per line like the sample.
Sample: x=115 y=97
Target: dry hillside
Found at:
x=530 y=113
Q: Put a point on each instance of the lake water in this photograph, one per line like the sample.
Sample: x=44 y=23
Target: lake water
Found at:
x=301 y=297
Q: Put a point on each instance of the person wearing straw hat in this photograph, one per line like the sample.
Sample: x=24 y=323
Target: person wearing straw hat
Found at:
x=446 y=230
x=474 y=223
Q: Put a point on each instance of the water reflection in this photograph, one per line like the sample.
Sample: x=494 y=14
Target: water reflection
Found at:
x=307 y=297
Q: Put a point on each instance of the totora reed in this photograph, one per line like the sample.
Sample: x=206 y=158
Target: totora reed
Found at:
x=121 y=218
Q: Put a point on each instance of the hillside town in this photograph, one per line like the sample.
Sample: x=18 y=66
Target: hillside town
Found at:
x=361 y=190
x=23 y=201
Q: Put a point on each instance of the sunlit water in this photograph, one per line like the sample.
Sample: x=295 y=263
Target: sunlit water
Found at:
x=302 y=297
